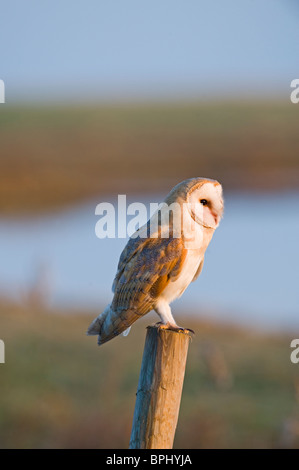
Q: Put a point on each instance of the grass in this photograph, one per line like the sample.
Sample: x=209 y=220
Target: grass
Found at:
x=54 y=156
x=59 y=389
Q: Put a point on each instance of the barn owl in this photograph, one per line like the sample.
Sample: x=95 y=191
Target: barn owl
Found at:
x=158 y=264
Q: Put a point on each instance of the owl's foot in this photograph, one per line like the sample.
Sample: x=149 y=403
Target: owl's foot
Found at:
x=173 y=327
x=188 y=330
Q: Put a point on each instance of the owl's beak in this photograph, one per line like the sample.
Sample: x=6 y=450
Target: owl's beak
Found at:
x=217 y=217
x=217 y=213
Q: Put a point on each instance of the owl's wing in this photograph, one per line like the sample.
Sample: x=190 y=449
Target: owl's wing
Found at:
x=145 y=268
x=198 y=272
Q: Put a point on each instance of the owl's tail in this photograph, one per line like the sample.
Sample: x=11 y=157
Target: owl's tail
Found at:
x=109 y=324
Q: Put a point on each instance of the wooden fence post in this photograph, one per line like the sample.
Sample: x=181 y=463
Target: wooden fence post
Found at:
x=159 y=389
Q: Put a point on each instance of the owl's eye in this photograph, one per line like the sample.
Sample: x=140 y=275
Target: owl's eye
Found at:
x=204 y=202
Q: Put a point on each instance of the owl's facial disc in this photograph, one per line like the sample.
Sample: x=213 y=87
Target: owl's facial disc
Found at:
x=206 y=205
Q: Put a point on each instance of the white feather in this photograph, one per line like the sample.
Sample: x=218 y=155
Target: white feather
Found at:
x=126 y=332
x=175 y=289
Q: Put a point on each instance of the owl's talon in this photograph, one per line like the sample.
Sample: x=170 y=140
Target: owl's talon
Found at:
x=162 y=326
x=188 y=330
x=169 y=326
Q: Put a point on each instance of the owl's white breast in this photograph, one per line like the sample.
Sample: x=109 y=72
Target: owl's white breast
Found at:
x=174 y=289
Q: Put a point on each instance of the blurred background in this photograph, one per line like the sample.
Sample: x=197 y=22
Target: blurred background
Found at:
x=108 y=98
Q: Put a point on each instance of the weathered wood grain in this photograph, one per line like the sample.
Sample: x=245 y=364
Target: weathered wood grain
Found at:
x=159 y=389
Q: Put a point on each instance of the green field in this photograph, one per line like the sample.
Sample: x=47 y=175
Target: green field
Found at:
x=53 y=156
x=59 y=389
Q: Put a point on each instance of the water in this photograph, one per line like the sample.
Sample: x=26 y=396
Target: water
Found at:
x=250 y=275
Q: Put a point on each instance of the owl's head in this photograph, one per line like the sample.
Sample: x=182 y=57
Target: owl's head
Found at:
x=206 y=203
x=204 y=199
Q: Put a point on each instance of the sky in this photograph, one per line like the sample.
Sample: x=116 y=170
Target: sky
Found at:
x=94 y=49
